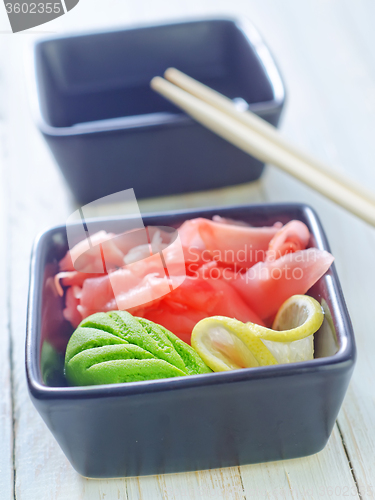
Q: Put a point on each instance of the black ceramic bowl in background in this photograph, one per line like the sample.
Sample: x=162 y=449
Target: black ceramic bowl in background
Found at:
x=196 y=422
x=109 y=131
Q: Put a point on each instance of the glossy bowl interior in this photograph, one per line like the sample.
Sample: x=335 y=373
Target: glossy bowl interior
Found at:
x=189 y=423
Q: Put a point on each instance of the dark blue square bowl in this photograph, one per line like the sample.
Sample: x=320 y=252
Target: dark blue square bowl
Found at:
x=197 y=422
x=109 y=131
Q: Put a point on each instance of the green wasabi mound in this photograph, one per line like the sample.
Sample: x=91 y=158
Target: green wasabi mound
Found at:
x=115 y=347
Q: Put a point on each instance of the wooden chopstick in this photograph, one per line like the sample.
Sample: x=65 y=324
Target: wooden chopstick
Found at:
x=258 y=124
x=260 y=139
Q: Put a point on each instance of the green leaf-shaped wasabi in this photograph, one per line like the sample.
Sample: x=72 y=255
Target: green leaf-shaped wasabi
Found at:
x=115 y=347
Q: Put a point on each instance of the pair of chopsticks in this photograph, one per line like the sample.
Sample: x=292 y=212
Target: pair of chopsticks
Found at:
x=255 y=136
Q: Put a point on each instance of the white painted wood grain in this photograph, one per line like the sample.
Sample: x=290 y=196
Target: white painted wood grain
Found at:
x=324 y=51
x=6 y=418
x=339 y=111
x=318 y=476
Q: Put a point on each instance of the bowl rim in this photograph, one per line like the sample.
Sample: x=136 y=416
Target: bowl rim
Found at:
x=167 y=119
x=343 y=359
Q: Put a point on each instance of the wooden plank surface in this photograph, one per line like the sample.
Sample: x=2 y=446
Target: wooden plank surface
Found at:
x=339 y=112
x=325 y=51
x=6 y=414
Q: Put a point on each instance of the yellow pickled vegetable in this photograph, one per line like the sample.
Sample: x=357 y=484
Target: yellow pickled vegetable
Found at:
x=227 y=344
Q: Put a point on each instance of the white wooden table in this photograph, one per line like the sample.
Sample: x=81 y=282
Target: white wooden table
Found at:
x=326 y=52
